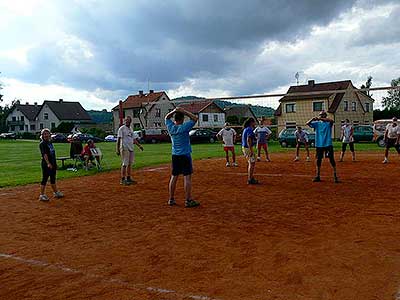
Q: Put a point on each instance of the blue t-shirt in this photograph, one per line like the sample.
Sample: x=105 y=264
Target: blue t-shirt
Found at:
x=248 y=132
x=323 y=133
x=180 y=136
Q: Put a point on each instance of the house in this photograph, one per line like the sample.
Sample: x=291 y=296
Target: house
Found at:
x=33 y=118
x=22 y=117
x=147 y=110
x=53 y=113
x=209 y=113
x=340 y=99
x=241 y=112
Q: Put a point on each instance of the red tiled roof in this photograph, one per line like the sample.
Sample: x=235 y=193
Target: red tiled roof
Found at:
x=137 y=101
x=196 y=106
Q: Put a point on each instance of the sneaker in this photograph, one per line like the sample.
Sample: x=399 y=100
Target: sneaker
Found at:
x=43 y=198
x=130 y=181
x=336 y=179
x=124 y=182
x=228 y=164
x=258 y=158
x=235 y=164
x=297 y=158
x=385 y=161
x=317 y=179
x=308 y=159
x=171 y=202
x=191 y=203
x=58 y=194
x=267 y=160
x=252 y=181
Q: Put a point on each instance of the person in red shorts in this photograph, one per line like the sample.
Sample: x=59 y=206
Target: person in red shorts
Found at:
x=228 y=136
x=262 y=133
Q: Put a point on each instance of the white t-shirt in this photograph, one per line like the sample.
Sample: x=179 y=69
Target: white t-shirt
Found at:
x=347 y=138
x=127 y=137
x=392 y=131
x=227 y=136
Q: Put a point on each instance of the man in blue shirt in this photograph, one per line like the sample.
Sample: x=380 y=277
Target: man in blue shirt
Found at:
x=181 y=153
x=248 y=141
x=323 y=142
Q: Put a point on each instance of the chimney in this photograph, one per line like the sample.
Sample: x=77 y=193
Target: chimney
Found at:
x=60 y=100
x=311 y=83
x=35 y=103
x=151 y=91
x=26 y=103
x=140 y=93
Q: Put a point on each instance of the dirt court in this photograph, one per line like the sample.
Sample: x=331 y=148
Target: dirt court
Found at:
x=288 y=238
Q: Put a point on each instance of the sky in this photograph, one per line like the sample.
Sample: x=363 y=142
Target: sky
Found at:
x=99 y=51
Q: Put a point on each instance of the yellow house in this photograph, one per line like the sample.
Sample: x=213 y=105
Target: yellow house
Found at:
x=340 y=99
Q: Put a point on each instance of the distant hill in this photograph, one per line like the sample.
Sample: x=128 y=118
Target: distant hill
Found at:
x=259 y=111
x=100 y=116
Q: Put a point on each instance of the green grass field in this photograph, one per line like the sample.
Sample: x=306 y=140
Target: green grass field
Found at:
x=20 y=159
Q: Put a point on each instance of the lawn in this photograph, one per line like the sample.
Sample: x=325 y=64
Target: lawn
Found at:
x=20 y=159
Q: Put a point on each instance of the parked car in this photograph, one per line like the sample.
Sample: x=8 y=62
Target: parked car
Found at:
x=59 y=138
x=379 y=128
x=8 y=136
x=202 y=136
x=363 y=133
x=155 y=135
x=287 y=137
x=110 y=138
x=83 y=137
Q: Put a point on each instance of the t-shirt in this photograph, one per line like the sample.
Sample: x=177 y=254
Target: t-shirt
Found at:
x=248 y=132
x=48 y=148
x=127 y=137
x=393 y=131
x=261 y=134
x=86 y=150
x=301 y=136
x=347 y=136
x=227 y=135
x=323 y=133
x=180 y=136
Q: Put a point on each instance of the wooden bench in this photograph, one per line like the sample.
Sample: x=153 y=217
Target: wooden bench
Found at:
x=63 y=159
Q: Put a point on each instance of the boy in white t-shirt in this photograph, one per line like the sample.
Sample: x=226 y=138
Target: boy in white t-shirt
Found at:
x=347 y=138
x=228 y=136
x=392 y=138
x=126 y=140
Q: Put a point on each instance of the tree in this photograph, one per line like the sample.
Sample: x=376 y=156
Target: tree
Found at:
x=367 y=85
x=392 y=100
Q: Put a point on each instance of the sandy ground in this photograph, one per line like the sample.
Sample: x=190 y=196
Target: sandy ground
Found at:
x=287 y=238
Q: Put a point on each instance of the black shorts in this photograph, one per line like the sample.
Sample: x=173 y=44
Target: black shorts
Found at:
x=46 y=173
x=344 y=146
x=391 y=143
x=182 y=164
x=324 y=152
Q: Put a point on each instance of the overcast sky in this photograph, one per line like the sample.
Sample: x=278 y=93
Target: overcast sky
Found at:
x=97 y=52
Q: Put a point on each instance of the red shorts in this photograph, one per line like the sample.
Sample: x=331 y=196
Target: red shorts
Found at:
x=264 y=146
x=229 y=148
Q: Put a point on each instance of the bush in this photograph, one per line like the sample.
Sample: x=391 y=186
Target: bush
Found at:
x=27 y=136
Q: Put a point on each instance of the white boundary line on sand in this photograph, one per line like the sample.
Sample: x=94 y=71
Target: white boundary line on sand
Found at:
x=39 y=263
x=273 y=174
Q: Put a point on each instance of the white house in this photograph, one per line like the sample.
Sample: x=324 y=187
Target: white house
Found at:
x=209 y=113
x=22 y=117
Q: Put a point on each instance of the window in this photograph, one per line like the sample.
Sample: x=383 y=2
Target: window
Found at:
x=353 y=106
x=22 y=118
x=12 y=128
x=53 y=125
x=367 y=108
x=26 y=127
x=318 y=106
x=14 y=119
x=157 y=124
x=290 y=124
x=290 y=107
x=346 y=105
x=46 y=116
x=33 y=127
x=215 y=118
x=21 y=127
x=41 y=126
x=356 y=122
x=205 y=118
x=158 y=112
x=136 y=125
x=136 y=113
x=366 y=122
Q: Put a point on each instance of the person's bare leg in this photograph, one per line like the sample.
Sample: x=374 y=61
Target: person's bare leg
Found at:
x=187 y=182
x=319 y=163
x=307 y=150
x=42 y=189
x=129 y=170
x=266 y=152
x=172 y=186
x=341 y=156
x=353 y=155
x=123 y=171
x=251 y=170
x=386 y=153
x=297 y=150
x=233 y=156
x=54 y=187
x=258 y=152
x=227 y=156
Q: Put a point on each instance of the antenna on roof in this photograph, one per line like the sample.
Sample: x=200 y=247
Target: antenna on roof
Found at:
x=297 y=75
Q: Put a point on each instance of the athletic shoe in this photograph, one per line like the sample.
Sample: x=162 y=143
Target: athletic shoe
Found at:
x=297 y=158
x=317 y=179
x=336 y=180
x=124 y=182
x=191 y=203
x=171 y=202
x=308 y=159
x=58 y=194
x=252 y=181
x=258 y=158
x=130 y=181
x=267 y=160
x=43 y=198
x=228 y=164
x=385 y=161
x=235 y=164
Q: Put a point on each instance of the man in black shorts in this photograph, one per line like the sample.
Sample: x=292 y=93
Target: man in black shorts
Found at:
x=323 y=142
x=181 y=153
